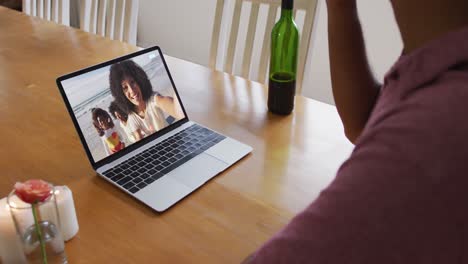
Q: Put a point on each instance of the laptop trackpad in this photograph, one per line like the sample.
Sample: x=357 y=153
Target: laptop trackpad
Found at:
x=163 y=193
x=198 y=170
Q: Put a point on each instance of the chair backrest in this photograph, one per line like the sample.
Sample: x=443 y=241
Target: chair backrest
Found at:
x=115 y=19
x=52 y=10
x=227 y=62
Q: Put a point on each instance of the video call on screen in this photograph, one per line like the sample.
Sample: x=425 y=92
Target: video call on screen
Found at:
x=120 y=104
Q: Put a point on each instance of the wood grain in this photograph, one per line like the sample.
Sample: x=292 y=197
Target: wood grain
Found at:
x=294 y=157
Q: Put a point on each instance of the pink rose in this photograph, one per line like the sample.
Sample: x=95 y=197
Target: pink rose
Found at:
x=33 y=191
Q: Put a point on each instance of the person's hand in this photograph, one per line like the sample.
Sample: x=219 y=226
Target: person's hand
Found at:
x=138 y=134
x=168 y=105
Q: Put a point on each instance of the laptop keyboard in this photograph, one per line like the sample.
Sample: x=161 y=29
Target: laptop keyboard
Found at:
x=141 y=170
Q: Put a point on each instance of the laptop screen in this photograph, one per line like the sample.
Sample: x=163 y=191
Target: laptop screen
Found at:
x=119 y=104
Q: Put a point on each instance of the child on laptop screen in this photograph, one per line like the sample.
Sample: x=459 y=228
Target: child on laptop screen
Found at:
x=120 y=115
x=105 y=129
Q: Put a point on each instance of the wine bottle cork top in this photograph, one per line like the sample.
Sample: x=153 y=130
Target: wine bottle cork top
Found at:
x=287 y=4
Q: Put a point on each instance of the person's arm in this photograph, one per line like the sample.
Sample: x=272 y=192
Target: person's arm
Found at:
x=354 y=88
x=138 y=135
x=169 y=105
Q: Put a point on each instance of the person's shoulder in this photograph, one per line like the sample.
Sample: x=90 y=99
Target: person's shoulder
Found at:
x=438 y=104
x=427 y=122
x=451 y=84
x=439 y=99
x=455 y=80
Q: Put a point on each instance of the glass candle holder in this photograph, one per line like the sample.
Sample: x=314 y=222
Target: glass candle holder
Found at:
x=38 y=226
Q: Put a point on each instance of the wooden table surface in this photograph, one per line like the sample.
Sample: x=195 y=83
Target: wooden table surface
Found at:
x=294 y=157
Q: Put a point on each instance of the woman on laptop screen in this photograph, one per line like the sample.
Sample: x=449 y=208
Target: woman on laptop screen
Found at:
x=147 y=111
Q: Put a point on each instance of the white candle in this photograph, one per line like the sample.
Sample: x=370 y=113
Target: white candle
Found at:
x=67 y=212
x=11 y=250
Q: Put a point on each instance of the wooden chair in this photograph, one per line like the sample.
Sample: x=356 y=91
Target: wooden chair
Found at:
x=115 y=19
x=227 y=62
x=52 y=10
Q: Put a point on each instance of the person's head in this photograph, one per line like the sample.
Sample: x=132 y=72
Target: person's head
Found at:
x=421 y=21
x=117 y=112
x=129 y=85
x=101 y=120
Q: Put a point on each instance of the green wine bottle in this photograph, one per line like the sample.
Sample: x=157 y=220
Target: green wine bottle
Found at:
x=283 y=62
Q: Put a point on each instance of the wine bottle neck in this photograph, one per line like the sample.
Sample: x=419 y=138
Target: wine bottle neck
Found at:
x=287 y=9
x=286 y=13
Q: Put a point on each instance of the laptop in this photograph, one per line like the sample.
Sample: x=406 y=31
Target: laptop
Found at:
x=137 y=134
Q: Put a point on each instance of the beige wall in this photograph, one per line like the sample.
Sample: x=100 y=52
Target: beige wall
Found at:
x=182 y=28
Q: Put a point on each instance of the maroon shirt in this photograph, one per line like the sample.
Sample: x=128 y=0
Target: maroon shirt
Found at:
x=402 y=197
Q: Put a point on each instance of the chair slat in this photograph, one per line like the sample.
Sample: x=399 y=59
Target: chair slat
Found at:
x=65 y=13
x=246 y=61
x=54 y=11
x=26 y=6
x=33 y=4
x=93 y=16
x=304 y=44
x=60 y=9
x=228 y=66
x=85 y=14
x=266 y=43
x=304 y=4
x=216 y=33
x=110 y=19
x=47 y=9
x=40 y=8
x=101 y=18
x=130 y=22
x=119 y=19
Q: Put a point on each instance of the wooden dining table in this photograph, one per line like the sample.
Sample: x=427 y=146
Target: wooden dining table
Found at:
x=294 y=157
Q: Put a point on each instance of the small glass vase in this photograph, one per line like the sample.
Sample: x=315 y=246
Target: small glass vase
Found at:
x=46 y=228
